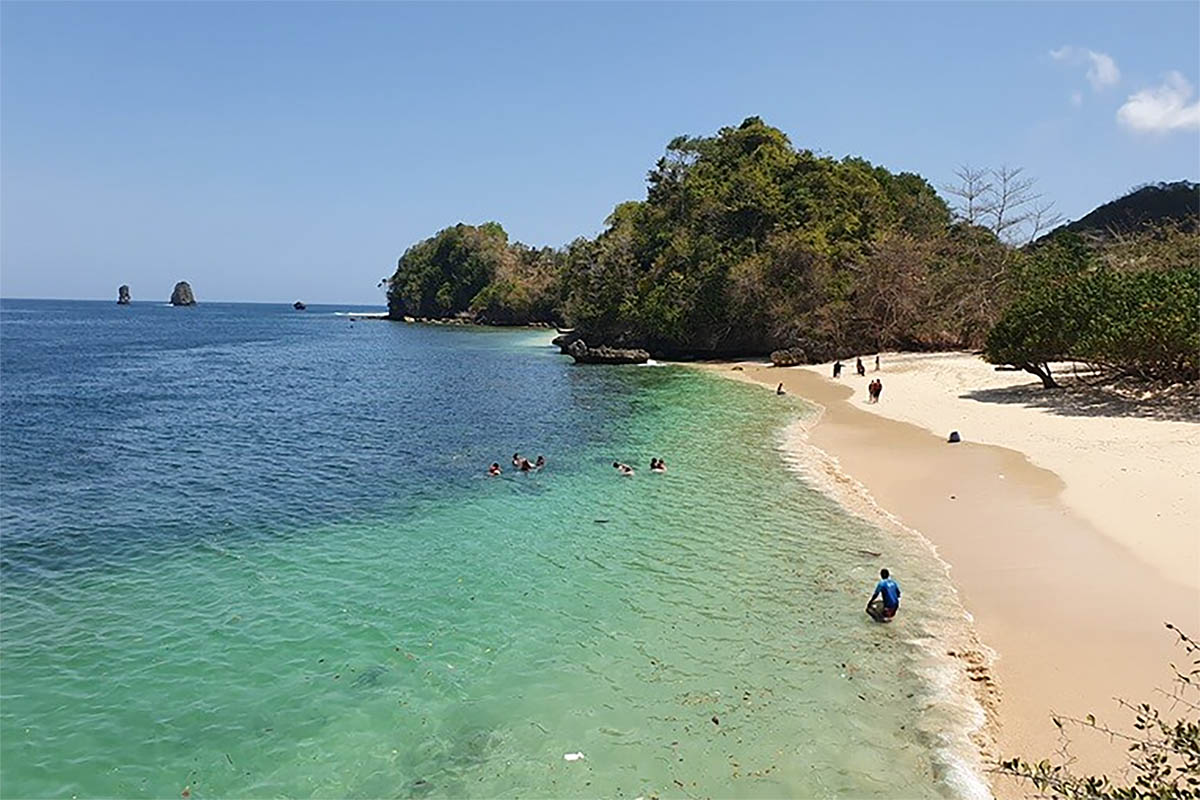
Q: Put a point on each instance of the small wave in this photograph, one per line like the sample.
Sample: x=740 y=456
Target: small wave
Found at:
x=950 y=661
x=652 y=363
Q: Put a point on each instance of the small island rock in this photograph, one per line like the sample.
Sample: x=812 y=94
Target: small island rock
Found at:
x=299 y=306
x=182 y=295
x=123 y=295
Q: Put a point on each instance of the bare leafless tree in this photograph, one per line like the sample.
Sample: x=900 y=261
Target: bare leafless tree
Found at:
x=1042 y=219
x=973 y=190
x=1005 y=200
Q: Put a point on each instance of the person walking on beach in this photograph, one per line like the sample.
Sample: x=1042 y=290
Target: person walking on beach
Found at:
x=837 y=369
x=878 y=389
x=859 y=366
x=888 y=593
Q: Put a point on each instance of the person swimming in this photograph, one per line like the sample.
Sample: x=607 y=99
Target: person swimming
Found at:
x=494 y=469
x=658 y=465
x=525 y=466
x=541 y=462
x=516 y=459
x=623 y=469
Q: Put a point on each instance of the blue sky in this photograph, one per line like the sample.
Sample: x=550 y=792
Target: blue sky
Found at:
x=276 y=151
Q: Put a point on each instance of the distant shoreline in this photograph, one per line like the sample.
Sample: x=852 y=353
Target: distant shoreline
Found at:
x=1075 y=617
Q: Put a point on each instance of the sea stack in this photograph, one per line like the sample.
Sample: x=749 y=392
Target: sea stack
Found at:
x=123 y=295
x=299 y=306
x=182 y=296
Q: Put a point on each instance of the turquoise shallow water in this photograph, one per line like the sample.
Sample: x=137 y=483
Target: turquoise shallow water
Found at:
x=251 y=552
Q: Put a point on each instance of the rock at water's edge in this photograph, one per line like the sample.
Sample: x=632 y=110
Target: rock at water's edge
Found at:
x=123 y=295
x=583 y=354
x=182 y=295
x=789 y=357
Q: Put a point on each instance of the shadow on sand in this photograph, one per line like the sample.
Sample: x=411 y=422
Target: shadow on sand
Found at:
x=1077 y=398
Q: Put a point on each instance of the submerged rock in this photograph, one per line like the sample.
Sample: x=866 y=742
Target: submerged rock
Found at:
x=789 y=357
x=583 y=354
x=123 y=295
x=182 y=295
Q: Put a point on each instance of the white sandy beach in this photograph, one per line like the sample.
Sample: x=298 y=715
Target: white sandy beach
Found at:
x=1134 y=477
x=1068 y=521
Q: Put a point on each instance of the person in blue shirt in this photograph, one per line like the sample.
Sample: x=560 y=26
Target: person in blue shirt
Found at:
x=888 y=592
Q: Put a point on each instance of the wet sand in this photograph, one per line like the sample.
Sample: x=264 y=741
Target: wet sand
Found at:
x=1075 y=618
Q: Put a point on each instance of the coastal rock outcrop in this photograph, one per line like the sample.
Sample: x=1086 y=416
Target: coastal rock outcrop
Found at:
x=789 y=357
x=583 y=354
x=123 y=295
x=564 y=340
x=182 y=295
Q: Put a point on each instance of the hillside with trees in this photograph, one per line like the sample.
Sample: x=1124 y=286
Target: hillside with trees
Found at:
x=1149 y=205
x=745 y=244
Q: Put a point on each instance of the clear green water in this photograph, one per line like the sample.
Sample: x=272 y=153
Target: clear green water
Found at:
x=458 y=635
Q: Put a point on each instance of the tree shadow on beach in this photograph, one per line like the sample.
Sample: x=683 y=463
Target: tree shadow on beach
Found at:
x=1078 y=398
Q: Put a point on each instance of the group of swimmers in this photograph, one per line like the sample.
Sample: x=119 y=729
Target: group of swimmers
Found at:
x=656 y=465
x=520 y=463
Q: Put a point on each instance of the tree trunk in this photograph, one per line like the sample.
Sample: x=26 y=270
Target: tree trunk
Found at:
x=1043 y=372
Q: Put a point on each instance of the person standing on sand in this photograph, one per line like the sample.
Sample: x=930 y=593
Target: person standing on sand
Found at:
x=837 y=369
x=888 y=591
x=859 y=366
x=878 y=389
x=877 y=362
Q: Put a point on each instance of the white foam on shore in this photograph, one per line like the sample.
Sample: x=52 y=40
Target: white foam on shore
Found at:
x=953 y=720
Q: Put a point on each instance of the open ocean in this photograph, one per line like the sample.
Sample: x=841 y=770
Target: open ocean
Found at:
x=247 y=552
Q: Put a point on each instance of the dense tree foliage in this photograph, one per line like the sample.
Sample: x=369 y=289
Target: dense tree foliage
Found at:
x=475 y=271
x=744 y=244
x=1118 y=315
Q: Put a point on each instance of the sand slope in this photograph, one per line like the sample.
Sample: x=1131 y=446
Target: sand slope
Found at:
x=1068 y=527
x=1135 y=477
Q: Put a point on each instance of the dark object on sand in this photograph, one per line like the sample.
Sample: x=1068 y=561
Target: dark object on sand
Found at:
x=954 y=438
x=875 y=610
x=299 y=306
x=123 y=295
x=182 y=295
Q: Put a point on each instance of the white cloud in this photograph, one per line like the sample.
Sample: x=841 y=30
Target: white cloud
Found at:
x=1103 y=70
x=1101 y=67
x=1161 y=108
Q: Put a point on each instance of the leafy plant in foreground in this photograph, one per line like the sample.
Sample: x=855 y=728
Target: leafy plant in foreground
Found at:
x=1164 y=751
